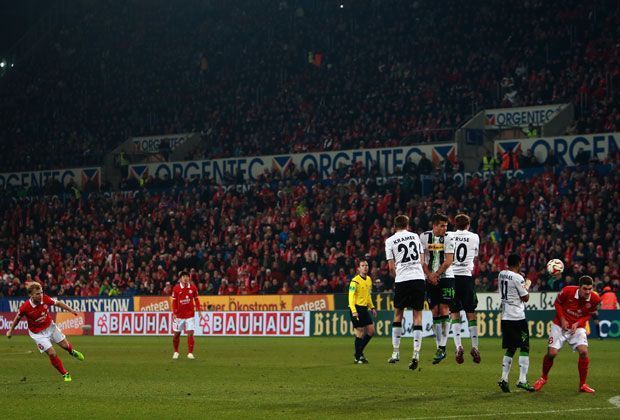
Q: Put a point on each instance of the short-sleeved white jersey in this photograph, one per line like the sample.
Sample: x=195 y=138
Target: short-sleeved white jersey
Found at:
x=406 y=249
x=466 y=246
x=512 y=288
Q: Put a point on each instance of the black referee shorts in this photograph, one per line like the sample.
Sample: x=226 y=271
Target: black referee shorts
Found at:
x=363 y=317
x=410 y=294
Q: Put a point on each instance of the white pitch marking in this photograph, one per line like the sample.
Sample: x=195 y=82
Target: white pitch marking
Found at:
x=16 y=352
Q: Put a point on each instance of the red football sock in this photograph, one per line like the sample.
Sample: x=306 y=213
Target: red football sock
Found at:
x=190 y=343
x=57 y=363
x=547 y=363
x=583 y=369
x=69 y=347
x=175 y=343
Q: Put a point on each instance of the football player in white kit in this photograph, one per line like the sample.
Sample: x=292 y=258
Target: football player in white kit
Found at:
x=466 y=246
x=513 y=289
x=404 y=253
x=439 y=255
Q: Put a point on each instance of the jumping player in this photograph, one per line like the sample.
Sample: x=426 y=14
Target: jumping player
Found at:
x=439 y=256
x=405 y=253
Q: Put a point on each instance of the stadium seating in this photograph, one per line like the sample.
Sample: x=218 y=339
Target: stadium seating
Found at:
x=301 y=233
x=261 y=77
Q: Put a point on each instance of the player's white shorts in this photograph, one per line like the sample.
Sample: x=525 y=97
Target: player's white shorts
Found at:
x=179 y=323
x=558 y=337
x=45 y=338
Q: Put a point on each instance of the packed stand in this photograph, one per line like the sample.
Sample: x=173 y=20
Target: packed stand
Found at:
x=274 y=76
x=294 y=234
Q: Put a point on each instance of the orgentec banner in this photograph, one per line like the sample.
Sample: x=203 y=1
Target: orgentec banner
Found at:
x=81 y=176
x=565 y=148
x=225 y=323
x=520 y=117
x=325 y=163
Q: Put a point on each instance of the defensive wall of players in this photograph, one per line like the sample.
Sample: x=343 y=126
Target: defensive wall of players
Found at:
x=281 y=315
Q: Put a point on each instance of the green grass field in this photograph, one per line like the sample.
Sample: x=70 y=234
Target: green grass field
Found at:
x=133 y=377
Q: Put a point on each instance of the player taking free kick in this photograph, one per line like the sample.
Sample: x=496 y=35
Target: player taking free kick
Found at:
x=573 y=308
x=184 y=303
x=42 y=329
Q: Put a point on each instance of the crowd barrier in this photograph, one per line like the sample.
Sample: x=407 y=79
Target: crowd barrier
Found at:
x=319 y=302
x=334 y=323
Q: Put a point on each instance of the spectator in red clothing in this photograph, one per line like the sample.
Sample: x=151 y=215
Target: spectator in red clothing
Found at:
x=285 y=289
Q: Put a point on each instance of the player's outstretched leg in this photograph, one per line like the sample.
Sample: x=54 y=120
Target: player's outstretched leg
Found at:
x=65 y=344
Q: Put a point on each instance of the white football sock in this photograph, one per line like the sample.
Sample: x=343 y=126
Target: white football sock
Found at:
x=417 y=340
x=506 y=364
x=438 y=334
x=524 y=364
x=445 y=326
x=473 y=333
x=456 y=331
x=396 y=333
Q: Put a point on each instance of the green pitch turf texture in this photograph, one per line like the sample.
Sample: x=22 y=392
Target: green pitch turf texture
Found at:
x=135 y=377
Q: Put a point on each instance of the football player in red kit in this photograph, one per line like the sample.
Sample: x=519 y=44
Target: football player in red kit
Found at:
x=573 y=308
x=184 y=303
x=42 y=329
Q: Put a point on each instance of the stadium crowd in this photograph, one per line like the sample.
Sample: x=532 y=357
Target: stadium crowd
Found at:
x=267 y=76
x=296 y=234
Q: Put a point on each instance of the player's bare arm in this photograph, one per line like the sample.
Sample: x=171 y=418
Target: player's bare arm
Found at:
x=435 y=278
x=432 y=277
x=392 y=268
x=64 y=306
x=449 y=259
x=18 y=318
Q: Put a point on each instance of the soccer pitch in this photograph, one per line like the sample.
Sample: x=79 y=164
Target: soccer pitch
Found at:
x=135 y=377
